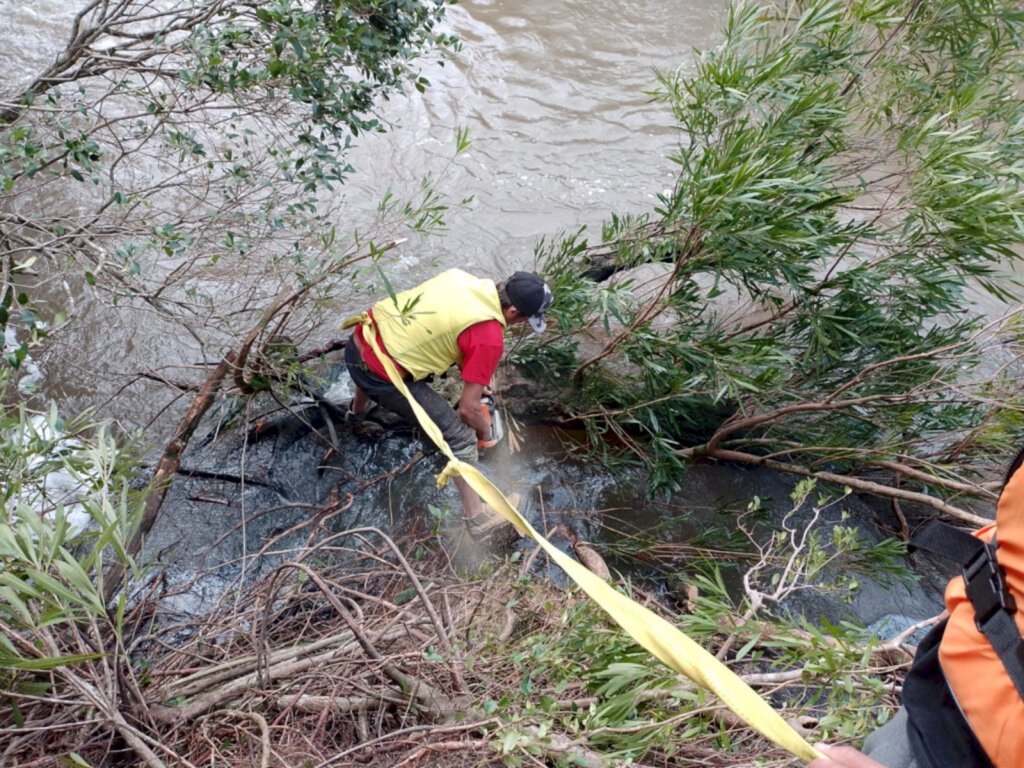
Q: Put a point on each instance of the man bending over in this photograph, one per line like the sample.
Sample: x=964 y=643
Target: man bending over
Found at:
x=451 y=319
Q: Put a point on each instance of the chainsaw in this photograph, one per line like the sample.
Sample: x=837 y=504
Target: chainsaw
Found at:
x=491 y=414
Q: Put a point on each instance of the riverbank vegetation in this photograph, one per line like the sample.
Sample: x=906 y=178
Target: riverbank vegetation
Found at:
x=364 y=648
x=816 y=292
x=805 y=298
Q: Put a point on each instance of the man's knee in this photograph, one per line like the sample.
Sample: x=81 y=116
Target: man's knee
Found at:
x=461 y=438
x=467 y=453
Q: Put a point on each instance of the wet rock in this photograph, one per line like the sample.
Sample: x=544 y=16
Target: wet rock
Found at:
x=254 y=488
x=262 y=487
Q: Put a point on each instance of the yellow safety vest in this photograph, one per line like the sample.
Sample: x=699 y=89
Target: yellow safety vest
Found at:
x=421 y=326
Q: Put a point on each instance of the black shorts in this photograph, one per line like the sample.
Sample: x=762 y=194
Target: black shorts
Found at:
x=461 y=438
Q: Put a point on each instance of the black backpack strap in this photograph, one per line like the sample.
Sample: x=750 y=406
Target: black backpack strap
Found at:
x=994 y=609
x=994 y=606
x=944 y=540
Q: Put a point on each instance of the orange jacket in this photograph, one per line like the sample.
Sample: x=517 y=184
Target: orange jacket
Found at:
x=985 y=693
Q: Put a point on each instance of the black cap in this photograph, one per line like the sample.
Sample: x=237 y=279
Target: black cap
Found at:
x=531 y=296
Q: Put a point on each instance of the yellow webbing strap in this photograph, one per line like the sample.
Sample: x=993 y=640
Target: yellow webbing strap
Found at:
x=650 y=630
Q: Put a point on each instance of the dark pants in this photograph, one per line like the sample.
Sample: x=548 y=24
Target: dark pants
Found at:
x=890 y=744
x=460 y=437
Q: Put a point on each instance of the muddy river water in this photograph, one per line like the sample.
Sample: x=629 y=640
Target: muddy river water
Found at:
x=554 y=96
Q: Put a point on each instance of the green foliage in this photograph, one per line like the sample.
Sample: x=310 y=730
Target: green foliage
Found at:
x=847 y=175
x=336 y=58
x=197 y=152
x=68 y=512
x=575 y=674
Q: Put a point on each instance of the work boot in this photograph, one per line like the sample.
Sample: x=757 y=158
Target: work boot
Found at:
x=360 y=427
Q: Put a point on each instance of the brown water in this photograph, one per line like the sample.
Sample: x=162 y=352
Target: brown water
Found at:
x=554 y=96
x=563 y=134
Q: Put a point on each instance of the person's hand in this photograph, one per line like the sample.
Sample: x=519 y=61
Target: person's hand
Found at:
x=842 y=757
